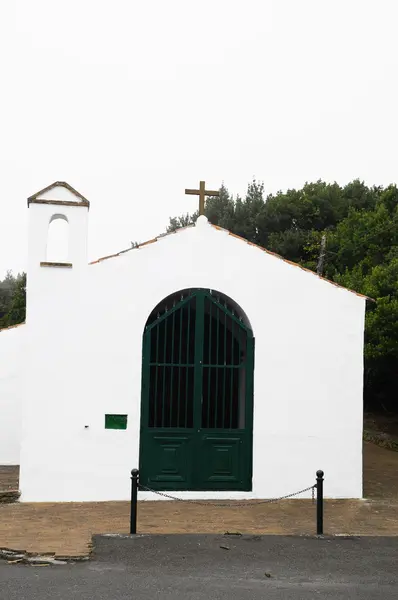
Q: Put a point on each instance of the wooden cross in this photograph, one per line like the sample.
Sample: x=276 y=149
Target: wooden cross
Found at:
x=202 y=193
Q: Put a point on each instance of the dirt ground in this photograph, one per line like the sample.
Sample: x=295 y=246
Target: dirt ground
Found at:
x=380 y=474
x=65 y=529
x=387 y=424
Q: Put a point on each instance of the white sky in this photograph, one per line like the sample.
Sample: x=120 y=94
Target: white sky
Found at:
x=130 y=102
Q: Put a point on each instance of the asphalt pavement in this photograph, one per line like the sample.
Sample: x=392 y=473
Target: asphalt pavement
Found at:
x=209 y=567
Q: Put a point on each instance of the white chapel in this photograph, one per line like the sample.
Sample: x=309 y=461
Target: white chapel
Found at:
x=217 y=368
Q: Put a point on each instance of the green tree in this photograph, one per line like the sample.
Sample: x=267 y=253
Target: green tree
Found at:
x=16 y=311
x=364 y=237
x=7 y=287
x=381 y=332
x=181 y=221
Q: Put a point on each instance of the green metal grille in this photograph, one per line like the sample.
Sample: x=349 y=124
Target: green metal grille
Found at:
x=172 y=364
x=198 y=351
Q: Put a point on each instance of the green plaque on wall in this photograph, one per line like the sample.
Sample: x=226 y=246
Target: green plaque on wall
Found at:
x=115 y=421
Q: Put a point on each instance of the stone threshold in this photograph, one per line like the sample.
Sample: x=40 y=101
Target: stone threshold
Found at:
x=9 y=496
x=40 y=560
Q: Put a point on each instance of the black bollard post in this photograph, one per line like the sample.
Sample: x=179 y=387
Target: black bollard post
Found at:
x=319 y=502
x=133 y=506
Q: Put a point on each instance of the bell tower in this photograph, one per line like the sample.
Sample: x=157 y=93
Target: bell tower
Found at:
x=55 y=318
x=57 y=211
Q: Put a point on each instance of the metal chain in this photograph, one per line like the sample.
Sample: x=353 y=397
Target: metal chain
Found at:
x=228 y=504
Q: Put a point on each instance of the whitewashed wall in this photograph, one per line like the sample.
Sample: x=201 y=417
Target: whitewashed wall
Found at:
x=84 y=351
x=11 y=389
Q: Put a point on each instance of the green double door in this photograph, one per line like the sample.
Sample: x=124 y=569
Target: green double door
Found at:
x=197 y=395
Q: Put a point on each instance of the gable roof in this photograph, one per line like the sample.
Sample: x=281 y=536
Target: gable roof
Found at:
x=81 y=200
x=238 y=237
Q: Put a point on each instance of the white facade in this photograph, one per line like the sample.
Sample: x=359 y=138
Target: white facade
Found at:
x=11 y=392
x=84 y=350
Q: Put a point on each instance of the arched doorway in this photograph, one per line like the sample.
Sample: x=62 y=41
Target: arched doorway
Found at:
x=197 y=394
